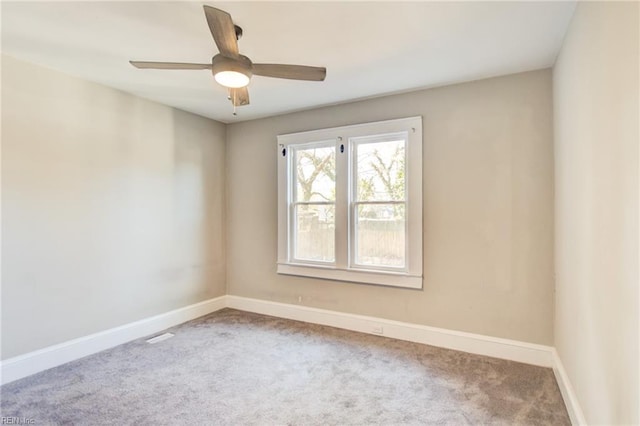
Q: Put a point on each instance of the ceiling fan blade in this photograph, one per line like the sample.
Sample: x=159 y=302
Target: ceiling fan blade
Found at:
x=169 y=65
x=239 y=96
x=223 y=31
x=293 y=72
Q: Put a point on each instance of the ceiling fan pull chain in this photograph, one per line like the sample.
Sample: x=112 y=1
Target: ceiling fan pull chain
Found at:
x=233 y=96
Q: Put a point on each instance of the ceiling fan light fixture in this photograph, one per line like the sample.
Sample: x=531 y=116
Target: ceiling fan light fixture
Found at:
x=231 y=72
x=232 y=79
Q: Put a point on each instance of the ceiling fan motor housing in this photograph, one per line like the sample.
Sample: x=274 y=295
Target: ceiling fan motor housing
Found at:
x=242 y=64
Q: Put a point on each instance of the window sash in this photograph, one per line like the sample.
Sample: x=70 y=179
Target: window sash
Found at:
x=354 y=202
x=292 y=197
x=354 y=241
x=293 y=180
x=293 y=240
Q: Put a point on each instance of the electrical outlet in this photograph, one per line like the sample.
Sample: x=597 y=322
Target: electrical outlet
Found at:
x=377 y=329
x=299 y=299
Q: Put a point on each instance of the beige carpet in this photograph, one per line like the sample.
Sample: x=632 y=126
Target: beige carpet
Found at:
x=237 y=368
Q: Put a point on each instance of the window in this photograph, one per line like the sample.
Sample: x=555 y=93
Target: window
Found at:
x=350 y=203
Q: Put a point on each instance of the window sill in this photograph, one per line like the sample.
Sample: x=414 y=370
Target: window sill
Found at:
x=391 y=279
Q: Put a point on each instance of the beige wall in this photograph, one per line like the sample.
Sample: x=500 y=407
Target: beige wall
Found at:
x=112 y=208
x=596 y=244
x=488 y=212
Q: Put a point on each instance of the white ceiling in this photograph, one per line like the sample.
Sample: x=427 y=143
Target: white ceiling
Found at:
x=369 y=48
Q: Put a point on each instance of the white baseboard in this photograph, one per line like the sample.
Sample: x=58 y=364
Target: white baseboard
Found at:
x=566 y=389
x=514 y=350
x=545 y=356
x=33 y=362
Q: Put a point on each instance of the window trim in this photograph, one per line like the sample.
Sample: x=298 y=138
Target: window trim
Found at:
x=343 y=268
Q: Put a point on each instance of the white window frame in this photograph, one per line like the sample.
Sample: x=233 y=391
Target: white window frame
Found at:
x=344 y=268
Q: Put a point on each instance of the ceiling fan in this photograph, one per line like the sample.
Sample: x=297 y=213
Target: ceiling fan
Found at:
x=231 y=69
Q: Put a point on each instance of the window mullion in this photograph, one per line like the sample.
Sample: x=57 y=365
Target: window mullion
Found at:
x=342 y=204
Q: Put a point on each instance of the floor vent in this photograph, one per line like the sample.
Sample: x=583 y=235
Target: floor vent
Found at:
x=160 y=338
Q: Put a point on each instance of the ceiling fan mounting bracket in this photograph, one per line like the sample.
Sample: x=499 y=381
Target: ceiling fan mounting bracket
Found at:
x=238 y=31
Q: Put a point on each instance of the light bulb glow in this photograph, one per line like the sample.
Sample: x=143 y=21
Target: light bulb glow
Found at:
x=232 y=79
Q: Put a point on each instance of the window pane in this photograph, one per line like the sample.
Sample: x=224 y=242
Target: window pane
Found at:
x=381 y=171
x=380 y=235
x=315 y=233
x=315 y=174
